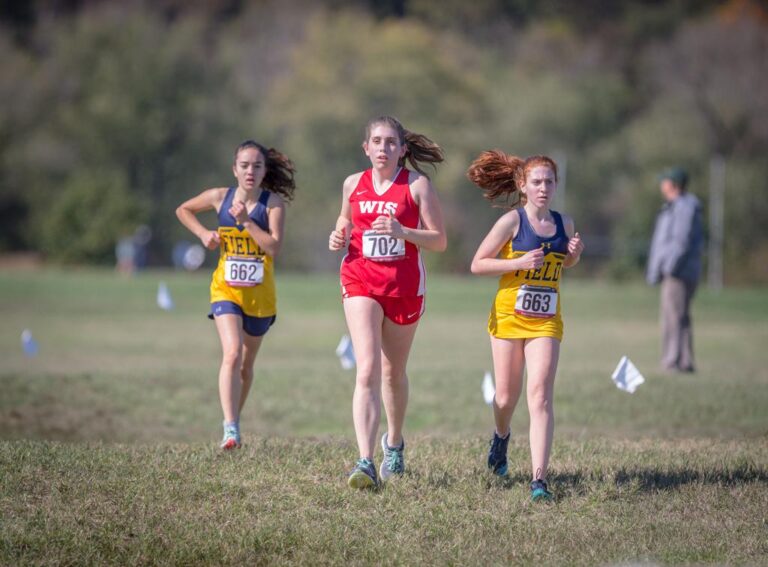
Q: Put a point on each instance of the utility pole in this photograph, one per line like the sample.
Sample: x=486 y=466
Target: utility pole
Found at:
x=716 y=222
x=561 y=159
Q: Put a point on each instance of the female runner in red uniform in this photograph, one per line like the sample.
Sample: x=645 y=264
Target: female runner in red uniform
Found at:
x=388 y=213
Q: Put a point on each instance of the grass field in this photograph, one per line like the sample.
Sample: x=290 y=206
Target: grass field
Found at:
x=107 y=437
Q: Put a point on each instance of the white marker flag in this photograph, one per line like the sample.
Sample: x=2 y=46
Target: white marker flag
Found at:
x=345 y=353
x=28 y=343
x=164 y=299
x=626 y=376
x=489 y=390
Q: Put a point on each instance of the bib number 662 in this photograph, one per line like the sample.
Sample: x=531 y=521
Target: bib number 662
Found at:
x=243 y=272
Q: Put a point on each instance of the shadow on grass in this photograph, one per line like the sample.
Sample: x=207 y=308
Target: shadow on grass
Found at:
x=654 y=479
x=658 y=479
x=583 y=482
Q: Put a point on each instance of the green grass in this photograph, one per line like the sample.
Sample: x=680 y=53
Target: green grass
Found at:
x=107 y=437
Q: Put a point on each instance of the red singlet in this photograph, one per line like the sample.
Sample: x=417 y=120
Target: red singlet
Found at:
x=385 y=265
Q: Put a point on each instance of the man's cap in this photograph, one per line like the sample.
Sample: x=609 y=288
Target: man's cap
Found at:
x=676 y=175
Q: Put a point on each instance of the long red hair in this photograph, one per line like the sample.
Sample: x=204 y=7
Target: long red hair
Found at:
x=501 y=175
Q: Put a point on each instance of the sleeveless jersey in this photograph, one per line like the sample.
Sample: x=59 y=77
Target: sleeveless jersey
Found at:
x=527 y=302
x=240 y=257
x=385 y=265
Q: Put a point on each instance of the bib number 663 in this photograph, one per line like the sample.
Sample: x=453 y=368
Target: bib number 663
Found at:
x=536 y=301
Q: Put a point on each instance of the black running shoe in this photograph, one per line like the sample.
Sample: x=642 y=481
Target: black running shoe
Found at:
x=497 y=454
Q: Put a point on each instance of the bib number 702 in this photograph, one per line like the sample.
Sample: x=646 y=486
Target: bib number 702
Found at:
x=382 y=247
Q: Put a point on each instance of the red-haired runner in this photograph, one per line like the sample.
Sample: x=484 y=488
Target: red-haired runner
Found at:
x=528 y=248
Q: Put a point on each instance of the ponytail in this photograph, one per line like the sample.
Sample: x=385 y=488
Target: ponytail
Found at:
x=279 y=176
x=496 y=173
x=279 y=169
x=419 y=148
x=501 y=175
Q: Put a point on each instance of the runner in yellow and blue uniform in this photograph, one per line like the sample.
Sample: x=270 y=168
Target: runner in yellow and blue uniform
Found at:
x=244 y=282
x=527 y=303
x=528 y=247
x=251 y=219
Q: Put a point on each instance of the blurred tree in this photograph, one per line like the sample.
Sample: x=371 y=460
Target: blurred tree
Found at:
x=17 y=112
x=143 y=102
x=92 y=208
x=348 y=69
x=556 y=93
x=719 y=67
x=709 y=82
x=123 y=93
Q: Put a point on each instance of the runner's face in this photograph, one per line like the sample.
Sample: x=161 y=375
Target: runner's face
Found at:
x=383 y=147
x=249 y=168
x=540 y=185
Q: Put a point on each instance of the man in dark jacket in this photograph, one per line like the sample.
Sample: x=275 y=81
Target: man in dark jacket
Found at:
x=675 y=262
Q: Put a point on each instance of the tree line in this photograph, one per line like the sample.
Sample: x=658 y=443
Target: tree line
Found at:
x=115 y=112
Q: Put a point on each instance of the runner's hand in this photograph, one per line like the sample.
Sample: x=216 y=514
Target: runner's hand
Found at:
x=210 y=239
x=389 y=225
x=532 y=260
x=575 y=246
x=337 y=239
x=239 y=211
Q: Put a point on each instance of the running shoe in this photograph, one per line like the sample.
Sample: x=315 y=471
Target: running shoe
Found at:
x=231 y=438
x=497 y=454
x=393 y=459
x=540 y=492
x=363 y=475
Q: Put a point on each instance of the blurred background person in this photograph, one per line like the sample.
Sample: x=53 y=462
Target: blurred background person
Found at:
x=131 y=251
x=674 y=261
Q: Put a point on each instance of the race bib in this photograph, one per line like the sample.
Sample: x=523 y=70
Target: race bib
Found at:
x=381 y=247
x=242 y=271
x=536 y=301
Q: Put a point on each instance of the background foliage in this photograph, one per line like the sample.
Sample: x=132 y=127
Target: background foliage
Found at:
x=113 y=113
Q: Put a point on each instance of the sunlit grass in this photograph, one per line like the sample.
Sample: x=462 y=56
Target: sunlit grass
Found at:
x=109 y=434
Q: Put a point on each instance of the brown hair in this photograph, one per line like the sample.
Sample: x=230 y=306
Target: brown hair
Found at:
x=419 y=148
x=501 y=175
x=280 y=169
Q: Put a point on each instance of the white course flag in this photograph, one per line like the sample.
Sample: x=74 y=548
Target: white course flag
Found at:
x=489 y=390
x=164 y=299
x=626 y=376
x=28 y=343
x=345 y=353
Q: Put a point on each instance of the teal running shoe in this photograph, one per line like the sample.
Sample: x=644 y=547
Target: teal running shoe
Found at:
x=363 y=475
x=540 y=492
x=497 y=454
x=393 y=459
x=231 y=438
